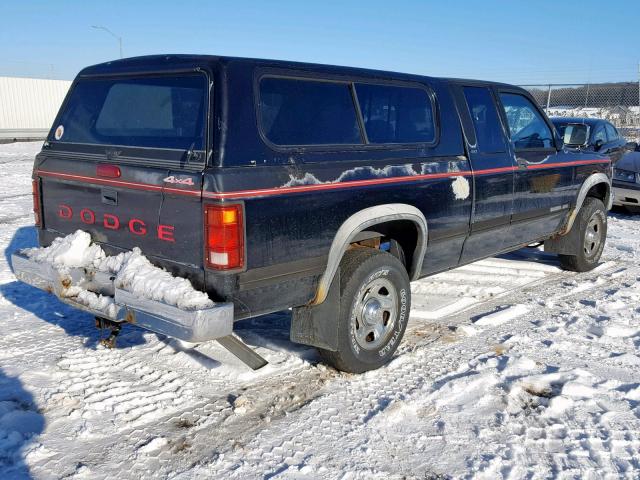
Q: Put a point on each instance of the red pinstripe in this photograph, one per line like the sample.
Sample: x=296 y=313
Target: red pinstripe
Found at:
x=118 y=183
x=314 y=187
x=333 y=186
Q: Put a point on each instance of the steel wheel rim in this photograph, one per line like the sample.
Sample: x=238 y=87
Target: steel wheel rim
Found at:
x=593 y=235
x=375 y=314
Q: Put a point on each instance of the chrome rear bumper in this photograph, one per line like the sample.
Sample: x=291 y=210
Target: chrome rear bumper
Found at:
x=188 y=325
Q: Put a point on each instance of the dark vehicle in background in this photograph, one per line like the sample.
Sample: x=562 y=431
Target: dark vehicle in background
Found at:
x=626 y=182
x=593 y=135
x=274 y=185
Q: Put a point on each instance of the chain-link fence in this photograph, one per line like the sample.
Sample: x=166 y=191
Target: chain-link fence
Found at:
x=615 y=102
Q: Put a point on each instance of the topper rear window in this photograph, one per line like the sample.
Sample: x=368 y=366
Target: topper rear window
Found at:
x=150 y=111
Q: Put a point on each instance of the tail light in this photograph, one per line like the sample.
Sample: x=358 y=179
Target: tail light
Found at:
x=224 y=231
x=36 y=202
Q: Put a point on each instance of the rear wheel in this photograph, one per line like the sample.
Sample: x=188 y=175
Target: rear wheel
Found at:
x=592 y=225
x=375 y=299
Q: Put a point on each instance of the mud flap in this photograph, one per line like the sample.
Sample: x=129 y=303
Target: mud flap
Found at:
x=317 y=325
x=564 y=244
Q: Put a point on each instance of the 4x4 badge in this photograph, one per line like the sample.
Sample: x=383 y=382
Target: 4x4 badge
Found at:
x=112 y=153
x=180 y=181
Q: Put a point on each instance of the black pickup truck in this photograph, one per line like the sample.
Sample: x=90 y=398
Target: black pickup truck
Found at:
x=274 y=185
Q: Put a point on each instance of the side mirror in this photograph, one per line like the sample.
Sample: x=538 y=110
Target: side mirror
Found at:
x=631 y=146
x=598 y=145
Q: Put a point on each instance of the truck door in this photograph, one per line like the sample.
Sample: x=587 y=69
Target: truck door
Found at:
x=492 y=167
x=615 y=147
x=544 y=186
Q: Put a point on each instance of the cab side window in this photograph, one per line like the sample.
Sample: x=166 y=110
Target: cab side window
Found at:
x=489 y=135
x=527 y=126
x=612 y=133
x=599 y=134
x=394 y=114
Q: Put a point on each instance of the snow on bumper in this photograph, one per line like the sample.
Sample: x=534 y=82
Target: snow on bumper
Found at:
x=108 y=301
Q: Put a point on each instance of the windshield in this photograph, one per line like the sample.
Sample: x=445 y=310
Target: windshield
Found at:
x=573 y=133
x=155 y=111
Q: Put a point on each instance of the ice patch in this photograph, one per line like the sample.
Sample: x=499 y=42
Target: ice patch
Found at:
x=502 y=316
x=448 y=309
x=468 y=330
x=620 y=331
x=155 y=444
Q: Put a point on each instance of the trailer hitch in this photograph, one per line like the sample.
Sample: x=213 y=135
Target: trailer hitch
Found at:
x=114 y=327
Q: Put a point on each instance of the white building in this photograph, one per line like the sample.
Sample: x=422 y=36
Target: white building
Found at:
x=28 y=106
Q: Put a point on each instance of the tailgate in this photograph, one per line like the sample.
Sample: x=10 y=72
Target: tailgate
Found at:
x=124 y=162
x=163 y=221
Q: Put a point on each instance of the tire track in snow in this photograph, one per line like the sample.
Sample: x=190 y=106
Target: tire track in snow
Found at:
x=143 y=422
x=341 y=409
x=345 y=410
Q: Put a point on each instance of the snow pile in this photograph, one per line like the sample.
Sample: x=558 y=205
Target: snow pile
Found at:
x=138 y=276
x=112 y=263
x=133 y=271
x=74 y=250
x=91 y=300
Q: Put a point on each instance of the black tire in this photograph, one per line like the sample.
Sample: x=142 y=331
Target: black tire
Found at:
x=592 y=234
x=365 y=276
x=397 y=251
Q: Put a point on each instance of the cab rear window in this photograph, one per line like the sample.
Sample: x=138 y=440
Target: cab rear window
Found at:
x=157 y=112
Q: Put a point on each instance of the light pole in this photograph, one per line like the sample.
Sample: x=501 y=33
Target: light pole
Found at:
x=99 y=27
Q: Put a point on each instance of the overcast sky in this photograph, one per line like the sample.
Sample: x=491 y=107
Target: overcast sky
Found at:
x=511 y=41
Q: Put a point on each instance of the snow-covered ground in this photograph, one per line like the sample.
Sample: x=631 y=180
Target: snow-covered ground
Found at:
x=510 y=368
